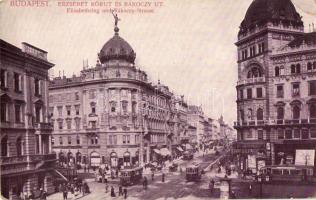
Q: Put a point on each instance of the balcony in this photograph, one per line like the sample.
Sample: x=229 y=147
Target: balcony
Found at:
x=13 y=160
x=251 y=123
x=43 y=126
x=251 y=81
x=20 y=164
x=275 y=122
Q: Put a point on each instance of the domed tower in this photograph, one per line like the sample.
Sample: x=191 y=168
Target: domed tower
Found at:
x=117 y=49
x=267 y=26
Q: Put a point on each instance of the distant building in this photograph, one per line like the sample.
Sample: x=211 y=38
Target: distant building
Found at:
x=276 y=87
x=27 y=162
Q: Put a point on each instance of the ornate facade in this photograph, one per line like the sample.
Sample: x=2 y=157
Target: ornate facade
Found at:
x=276 y=86
x=111 y=113
x=27 y=161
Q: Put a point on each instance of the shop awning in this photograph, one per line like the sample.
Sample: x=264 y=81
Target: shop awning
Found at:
x=165 y=152
x=180 y=149
x=157 y=151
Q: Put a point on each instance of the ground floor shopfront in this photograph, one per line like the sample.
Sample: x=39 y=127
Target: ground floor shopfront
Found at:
x=19 y=185
x=113 y=156
x=252 y=155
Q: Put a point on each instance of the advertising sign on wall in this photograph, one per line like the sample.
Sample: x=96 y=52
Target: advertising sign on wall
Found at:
x=305 y=157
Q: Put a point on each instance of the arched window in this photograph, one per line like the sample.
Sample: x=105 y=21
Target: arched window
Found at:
x=19 y=146
x=280 y=113
x=260 y=114
x=254 y=72
x=4 y=146
x=127 y=159
x=296 y=112
x=113 y=158
x=309 y=66
x=293 y=69
x=312 y=111
x=314 y=65
x=277 y=71
x=78 y=157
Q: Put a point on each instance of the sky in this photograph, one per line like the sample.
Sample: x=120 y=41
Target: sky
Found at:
x=187 y=44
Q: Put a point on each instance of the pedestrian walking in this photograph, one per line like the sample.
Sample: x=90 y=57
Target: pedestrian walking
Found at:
x=106 y=188
x=120 y=190
x=112 y=192
x=163 y=177
x=152 y=175
x=65 y=193
x=125 y=192
x=250 y=189
x=43 y=195
x=145 y=182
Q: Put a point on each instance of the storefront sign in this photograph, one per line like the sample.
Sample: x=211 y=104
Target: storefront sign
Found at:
x=305 y=157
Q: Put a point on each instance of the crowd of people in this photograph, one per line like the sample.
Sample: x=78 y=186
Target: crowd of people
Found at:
x=75 y=188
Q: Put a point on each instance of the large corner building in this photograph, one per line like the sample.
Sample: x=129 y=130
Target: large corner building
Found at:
x=27 y=162
x=276 y=87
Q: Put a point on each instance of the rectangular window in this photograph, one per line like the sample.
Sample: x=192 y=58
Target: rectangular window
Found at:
x=124 y=106
x=17 y=82
x=260 y=134
x=38 y=110
x=68 y=124
x=114 y=139
x=296 y=134
x=69 y=139
x=288 y=134
x=128 y=139
x=3 y=78
x=295 y=89
x=110 y=139
x=77 y=121
x=18 y=113
x=280 y=134
x=312 y=88
x=313 y=132
x=78 y=139
x=37 y=87
x=77 y=108
x=249 y=93
x=305 y=134
x=61 y=140
x=124 y=139
x=280 y=91
x=259 y=92
x=241 y=94
x=51 y=111
x=76 y=95
x=4 y=112
x=60 y=125
x=60 y=111
x=68 y=108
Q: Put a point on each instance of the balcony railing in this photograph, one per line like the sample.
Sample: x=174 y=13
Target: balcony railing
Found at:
x=17 y=164
x=13 y=160
x=251 y=81
x=275 y=122
x=43 y=126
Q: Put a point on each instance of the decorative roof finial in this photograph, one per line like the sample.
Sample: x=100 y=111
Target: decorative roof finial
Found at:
x=116 y=19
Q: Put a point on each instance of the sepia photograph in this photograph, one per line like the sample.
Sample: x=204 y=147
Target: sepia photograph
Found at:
x=157 y=99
